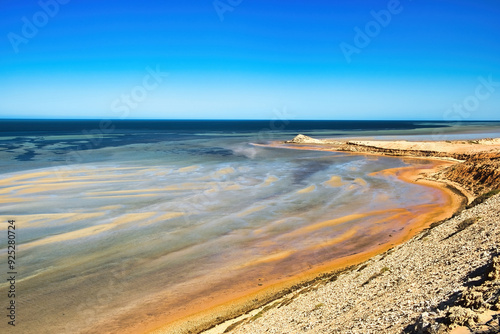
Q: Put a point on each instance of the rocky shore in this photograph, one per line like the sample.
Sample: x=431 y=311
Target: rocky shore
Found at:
x=444 y=280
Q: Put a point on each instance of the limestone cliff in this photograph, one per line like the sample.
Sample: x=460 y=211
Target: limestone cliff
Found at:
x=479 y=173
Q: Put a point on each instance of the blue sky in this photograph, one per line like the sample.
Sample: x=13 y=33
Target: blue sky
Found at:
x=249 y=59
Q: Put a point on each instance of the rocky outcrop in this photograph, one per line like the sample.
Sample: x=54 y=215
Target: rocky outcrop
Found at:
x=476 y=174
x=469 y=308
x=302 y=139
x=355 y=147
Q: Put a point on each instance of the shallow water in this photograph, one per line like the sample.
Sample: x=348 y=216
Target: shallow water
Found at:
x=153 y=226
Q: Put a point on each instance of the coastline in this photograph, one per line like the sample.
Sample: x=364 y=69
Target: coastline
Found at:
x=219 y=318
x=444 y=280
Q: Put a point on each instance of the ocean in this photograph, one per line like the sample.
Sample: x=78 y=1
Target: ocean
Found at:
x=124 y=225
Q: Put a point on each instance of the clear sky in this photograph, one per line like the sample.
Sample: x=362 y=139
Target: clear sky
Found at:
x=250 y=59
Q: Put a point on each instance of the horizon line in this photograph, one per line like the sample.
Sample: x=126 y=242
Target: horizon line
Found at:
x=242 y=119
